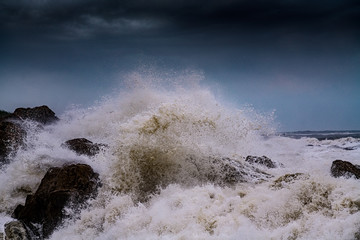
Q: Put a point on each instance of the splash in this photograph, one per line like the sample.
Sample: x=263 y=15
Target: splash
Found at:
x=174 y=168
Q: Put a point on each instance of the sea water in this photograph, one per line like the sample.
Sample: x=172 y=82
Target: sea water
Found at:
x=157 y=140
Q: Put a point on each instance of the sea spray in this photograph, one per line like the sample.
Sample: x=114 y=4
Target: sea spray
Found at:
x=163 y=171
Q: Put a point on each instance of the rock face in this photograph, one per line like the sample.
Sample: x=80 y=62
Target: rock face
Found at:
x=341 y=168
x=70 y=186
x=42 y=114
x=262 y=161
x=16 y=230
x=83 y=146
x=11 y=138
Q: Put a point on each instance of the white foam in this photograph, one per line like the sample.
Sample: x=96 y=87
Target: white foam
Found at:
x=157 y=130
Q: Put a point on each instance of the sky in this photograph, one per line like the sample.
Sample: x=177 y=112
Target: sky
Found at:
x=299 y=58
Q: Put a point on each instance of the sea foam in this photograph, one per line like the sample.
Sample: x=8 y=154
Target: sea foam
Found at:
x=161 y=145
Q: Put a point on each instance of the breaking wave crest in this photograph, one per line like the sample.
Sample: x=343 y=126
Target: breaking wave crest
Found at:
x=172 y=166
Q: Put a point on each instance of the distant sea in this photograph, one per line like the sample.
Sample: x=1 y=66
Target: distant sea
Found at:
x=323 y=135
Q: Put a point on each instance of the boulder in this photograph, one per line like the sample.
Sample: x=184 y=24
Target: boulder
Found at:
x=42 y=114
x=265 y=161
x=83 y=146
x=341 y=168
x=11 y=138
x=69 y=186
x=12 y=133
x=16 y=230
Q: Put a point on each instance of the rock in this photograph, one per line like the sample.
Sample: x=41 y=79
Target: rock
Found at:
x=42 y=114
x=261 y=160
x=11 y=138
x=341 y=168
x=156 y=169
x=12 y=133
x=4 y=114
x=228 y=171
x=83 y=146
x=287 y=179
x=16 y=230
x=70 y=186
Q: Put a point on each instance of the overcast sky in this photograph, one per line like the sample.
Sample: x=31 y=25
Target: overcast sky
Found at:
x=301 y=58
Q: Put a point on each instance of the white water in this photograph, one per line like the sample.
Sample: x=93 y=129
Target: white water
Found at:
x=151 y=135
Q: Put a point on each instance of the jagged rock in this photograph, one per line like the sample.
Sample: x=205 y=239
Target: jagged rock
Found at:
x=70 y=186
x=262 y=161
x=11 y=138
x=16 y=230
x=341 y=168
x=83 y=146
x=42 y=114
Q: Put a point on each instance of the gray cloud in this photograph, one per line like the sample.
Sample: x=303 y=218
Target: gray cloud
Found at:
x=263 y=52
x=84 y=17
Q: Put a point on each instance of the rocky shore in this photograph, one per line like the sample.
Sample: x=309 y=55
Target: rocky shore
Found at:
x=73 y=185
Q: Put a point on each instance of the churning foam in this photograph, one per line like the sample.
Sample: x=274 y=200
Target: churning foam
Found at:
x=155 y=168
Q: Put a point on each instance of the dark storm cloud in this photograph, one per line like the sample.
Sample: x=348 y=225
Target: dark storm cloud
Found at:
x=86 y=18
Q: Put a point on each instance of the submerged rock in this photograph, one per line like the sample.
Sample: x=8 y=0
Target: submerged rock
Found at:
x=42 y=114
x=154 y=169
x=70 y=186
x=11 y=138
x=287 y=179
x=83 y=146
x=227 y=171
x=265 y=161
x=341 y=168
x=16 y=230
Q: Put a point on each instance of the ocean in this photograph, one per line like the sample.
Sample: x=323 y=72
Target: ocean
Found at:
x=162 y=140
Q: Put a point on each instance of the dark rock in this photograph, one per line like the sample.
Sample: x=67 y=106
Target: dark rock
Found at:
x=70 y=186
x=12 y=132
x=11 y=138
x=42 y=114
x=341 y=168
x=16 y=230
x=350 y=148
x=4 y=114
x=261 y=160
x=83 y=146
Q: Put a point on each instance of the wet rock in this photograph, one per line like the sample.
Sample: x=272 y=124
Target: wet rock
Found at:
x=357 y=235
x=70 y=186
x=4 y=114
x=11 y=138
x=227 y=171
x=265 y=161
x=341 y=168
x=287 y=179
x=156 y=169
x=42 y=114
x=83 y=146
x=16 y=230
